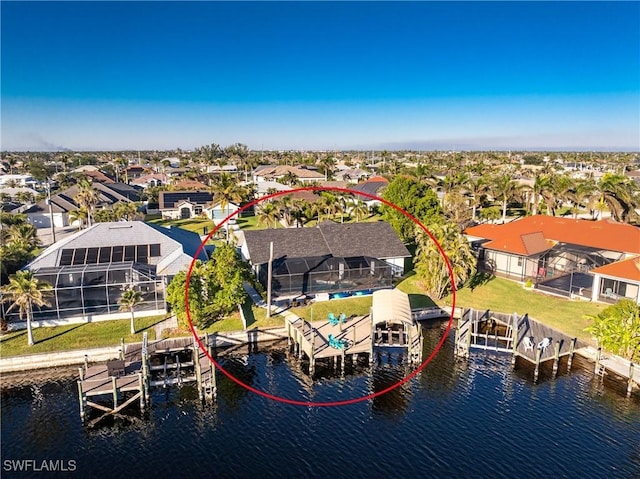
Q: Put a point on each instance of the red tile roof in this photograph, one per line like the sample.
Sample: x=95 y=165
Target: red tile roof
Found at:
x=526 y=244
x=376 y=179
x=604 y=234
x=627 y=269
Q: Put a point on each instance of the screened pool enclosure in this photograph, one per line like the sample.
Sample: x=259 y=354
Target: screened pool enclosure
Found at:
x=327 y=274
x=95 y=289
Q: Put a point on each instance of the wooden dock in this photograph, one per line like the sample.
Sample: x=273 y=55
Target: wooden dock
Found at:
x=322 y=340
x=141 y=366
x=521 y=336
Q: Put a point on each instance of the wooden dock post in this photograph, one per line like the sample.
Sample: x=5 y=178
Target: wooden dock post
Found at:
x=456 y=340
x=572 y=348
x=630 y=382
x=114 y=383
x=373 y=337
x=196 y=362
x=122 y=349
x=82 y=399
x=142 y=396
x=514 y=340
x=556 y=358
x=598 y=354
x=537 y=369
x=86 y=363
x=145 y=366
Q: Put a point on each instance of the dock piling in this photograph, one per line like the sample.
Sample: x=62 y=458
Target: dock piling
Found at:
x=114 y=383
x=556 y=358
x=537 y=369
x=572 y=348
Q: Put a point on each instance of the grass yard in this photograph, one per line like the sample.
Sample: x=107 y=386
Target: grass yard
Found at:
x=256 y=318
x=76 y=336
x=196 y=224
x=417 y=296
x=250 y=223
x=320 y=310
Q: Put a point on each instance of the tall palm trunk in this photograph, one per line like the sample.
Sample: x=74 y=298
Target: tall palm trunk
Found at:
x=30 y=340
x=504 y=210
x=133 y=326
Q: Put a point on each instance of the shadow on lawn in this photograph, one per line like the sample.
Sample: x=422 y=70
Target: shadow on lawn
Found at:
x=420 y=301
x=480 y=279
x=22 y=336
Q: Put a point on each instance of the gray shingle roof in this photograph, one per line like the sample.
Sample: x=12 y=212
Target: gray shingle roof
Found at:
x=377 y=240
x=108 y=194
x=344 y=240
x=289 y=243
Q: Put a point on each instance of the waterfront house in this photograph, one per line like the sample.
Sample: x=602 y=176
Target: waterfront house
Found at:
x=90 y=269
x=592 y=259
x=328 y=258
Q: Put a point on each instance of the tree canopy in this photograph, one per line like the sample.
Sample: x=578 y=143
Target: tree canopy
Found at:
x=431 y=267
x=215 y=288
x=415 y=198
x=617 y=329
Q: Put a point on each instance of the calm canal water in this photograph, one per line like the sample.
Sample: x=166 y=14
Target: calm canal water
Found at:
x=457 y=419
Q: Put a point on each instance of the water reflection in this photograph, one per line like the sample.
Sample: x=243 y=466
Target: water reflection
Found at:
x=478 y=408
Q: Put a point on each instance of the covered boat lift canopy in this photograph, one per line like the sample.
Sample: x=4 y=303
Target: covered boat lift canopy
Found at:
x=391 y=306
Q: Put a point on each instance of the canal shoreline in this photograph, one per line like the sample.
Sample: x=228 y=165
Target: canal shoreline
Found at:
x=33 y=362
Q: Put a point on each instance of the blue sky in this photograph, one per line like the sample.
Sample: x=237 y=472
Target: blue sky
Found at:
x=307 y=75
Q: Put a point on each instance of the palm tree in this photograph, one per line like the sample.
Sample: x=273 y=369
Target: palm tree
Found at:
x=290 y=178
x=540 y=189
x=299 y=212
x=269 y=214
x=226 y=190
x=79 y=215
x=430 y=265
x=25 y=291
x=129 y=299
x=24 y=196
x=359 y=209
x=619 y=195
x=505 y=189
x=87 y=198
x=580 y=194
x=476 y=188
x=285 y=206
x=125 y=211
x=24 y=234
x=330 y=205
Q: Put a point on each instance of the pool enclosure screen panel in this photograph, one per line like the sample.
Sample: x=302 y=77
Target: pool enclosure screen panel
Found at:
x=327 y=274
x=94 y=289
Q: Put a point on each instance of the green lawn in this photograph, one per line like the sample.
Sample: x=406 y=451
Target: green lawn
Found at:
x=76 y=336
x=417 y=297
x=249 y=223
x=508 y=296
x=320 y=311
x=196 y=224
